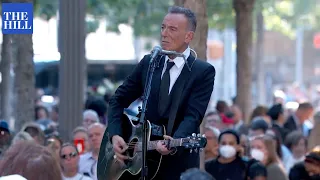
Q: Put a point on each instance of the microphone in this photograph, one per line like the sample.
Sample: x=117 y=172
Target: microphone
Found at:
x=170 y=53
x=158 y=50
x=155 y=52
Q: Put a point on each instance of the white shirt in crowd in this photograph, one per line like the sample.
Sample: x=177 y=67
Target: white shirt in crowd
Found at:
x=87 y=164
x=290 y=162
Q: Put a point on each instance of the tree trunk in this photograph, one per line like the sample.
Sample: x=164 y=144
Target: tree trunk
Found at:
x=5 y=76
x=243 y=9
x=24 y=82
x=199 y=42
x=261 y=89
x=72 y=65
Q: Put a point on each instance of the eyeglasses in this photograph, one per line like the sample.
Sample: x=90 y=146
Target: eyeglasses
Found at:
x=71 y=155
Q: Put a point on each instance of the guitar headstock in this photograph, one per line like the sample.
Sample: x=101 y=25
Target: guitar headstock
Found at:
x=195 y=142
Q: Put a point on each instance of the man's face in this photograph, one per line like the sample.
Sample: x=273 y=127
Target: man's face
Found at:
x=88 y=120
x=228 y=139
x=312 y=168
x=308 y=114
x=212 y=143
x=95 y=136
x=214 y=121
x=175 y=33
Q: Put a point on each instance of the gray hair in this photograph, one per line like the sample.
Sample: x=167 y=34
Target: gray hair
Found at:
x=79 y=129
x=90 y=112
x=22 y=136
x=97 y=124
x=214 y=130
x=192 y=20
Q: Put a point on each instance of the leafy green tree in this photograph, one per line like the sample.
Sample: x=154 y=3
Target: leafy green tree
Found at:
x=47 y=9
x=144 y=16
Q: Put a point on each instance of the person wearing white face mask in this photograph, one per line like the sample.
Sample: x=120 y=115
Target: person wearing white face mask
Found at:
x=263 y=149
x=229 y=164
x=257 y=154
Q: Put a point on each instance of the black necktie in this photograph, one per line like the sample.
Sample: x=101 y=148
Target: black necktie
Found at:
x=164 y=89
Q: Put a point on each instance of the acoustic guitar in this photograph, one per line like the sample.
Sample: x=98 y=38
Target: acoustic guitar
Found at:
x=109 y=168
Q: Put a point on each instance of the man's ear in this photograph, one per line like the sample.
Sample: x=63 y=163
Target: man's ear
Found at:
x=189 y=37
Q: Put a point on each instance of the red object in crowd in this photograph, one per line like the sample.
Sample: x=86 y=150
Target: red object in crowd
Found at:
x=316 y=41
x=225 y=119
x=79 y=143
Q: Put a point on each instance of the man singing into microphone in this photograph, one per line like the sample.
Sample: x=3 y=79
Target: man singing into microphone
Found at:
x=178 y=98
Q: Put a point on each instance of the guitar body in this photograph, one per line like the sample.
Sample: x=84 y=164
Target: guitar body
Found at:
x=111 y=169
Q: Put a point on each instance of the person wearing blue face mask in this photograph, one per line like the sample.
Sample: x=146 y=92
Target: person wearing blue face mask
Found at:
x=229 y=165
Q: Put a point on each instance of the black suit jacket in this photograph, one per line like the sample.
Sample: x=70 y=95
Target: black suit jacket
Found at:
x=190 y=97
x=290 y=124
x=280 y=131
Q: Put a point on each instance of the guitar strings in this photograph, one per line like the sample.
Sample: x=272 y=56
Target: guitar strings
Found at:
x=133 y=145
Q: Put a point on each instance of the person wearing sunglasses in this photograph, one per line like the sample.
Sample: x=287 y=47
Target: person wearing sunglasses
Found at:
x=69 y=159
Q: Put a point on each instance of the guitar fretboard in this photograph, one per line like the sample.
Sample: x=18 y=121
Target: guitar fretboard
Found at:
x=152 y=145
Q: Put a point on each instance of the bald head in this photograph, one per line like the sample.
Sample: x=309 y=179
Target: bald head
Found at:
x=97 y=125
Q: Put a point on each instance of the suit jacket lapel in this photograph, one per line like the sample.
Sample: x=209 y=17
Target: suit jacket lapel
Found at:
x=176 y=93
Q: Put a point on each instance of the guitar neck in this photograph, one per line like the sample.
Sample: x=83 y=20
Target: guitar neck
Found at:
x=152 y=145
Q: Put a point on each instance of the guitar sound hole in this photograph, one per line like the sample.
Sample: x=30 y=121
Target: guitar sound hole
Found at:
x=131 y=149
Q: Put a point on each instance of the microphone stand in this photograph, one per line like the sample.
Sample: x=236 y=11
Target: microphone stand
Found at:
x=152 y=65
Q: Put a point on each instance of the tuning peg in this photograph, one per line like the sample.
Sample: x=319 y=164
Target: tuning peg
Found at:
x=190 y=150
x=201 y=149
x=196 y=150
x=194 y=135
x=199 y=135
x=203 y=135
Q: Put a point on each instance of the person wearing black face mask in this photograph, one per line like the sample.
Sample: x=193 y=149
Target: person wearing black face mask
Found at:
x=309 y=169
x=229 y=164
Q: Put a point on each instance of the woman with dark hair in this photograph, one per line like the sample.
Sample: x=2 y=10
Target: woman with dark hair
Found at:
x=30 y=160
x=41 y=112
x=297 y=144
x=69 y=160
